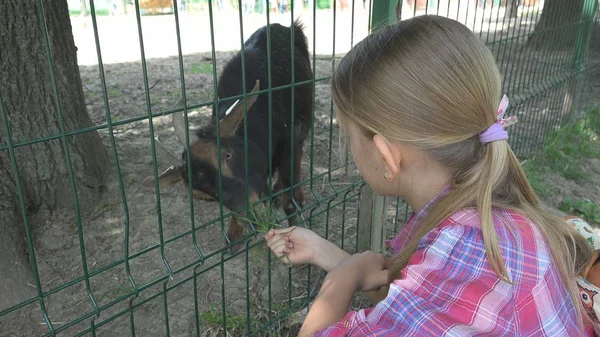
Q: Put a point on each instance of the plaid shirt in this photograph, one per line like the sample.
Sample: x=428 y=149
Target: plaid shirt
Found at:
x=449 y=289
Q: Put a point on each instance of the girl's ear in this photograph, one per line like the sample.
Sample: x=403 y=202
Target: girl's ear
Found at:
x=390 y=155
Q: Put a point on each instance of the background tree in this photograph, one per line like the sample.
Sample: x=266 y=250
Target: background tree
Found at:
x=27 y=91
x=559 y=24
x=511 y=8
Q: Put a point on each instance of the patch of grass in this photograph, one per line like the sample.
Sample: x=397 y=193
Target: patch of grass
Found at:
x=564 y=150
x=99 y=12
x=237 y=325
x=201 y=68
x=584 y=208
x=176 y=93
x=573 y=142
x=535 y=175
x=214 y=316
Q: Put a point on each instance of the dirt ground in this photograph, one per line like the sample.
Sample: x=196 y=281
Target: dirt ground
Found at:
x=254 y=285
x=58 y=249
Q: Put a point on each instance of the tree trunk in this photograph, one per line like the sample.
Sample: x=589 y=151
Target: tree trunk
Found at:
x=25 y=86
x=595 y=37
x=594 y=32
x=557 y=27
x=511 y=8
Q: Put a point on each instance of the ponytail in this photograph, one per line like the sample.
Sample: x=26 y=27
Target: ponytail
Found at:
x=492 y=174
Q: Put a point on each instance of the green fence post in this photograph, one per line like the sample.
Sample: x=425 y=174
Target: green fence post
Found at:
x=371 y=230
x=383 y=13
x=584 y=33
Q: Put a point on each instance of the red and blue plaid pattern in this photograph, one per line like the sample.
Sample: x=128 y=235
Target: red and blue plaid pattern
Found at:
x=449 y=289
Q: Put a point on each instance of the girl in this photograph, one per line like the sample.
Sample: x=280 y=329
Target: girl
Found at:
x=418 y=101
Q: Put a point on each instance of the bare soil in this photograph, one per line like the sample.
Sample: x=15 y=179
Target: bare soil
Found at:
x=331 y=199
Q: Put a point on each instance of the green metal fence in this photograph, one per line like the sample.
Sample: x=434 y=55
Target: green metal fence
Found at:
x=156 y=264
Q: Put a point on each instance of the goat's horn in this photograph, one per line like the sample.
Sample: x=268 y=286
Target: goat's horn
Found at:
x=179 y=126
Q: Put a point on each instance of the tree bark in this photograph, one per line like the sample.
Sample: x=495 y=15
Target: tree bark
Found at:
x=557 y=28
x=26 y=87
x=512 y=8
x=595 y=38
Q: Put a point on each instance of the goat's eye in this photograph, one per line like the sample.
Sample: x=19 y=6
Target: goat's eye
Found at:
x=228 y=155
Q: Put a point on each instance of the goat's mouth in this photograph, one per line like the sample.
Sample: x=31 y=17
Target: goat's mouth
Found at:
x=168 y=177
x=198 y=194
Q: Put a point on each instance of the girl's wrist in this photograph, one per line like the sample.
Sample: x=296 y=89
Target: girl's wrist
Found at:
x=328 y=256
x=341 y=261
x=345 y=279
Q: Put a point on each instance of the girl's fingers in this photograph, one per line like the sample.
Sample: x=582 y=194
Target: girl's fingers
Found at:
x=285 y=259
x=376 y=280
x=269 y=234
x=275 y=239
x=280 y=248
x=283 y=232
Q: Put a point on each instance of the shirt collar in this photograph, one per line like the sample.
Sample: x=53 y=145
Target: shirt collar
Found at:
x=413 y=223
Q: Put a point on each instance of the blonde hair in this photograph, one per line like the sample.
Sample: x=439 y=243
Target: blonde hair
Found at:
x=430 y=83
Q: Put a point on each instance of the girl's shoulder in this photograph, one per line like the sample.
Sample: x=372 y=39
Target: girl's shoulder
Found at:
x=522 y=245
x=511 y=226
x=501 y=217
x=457 y=247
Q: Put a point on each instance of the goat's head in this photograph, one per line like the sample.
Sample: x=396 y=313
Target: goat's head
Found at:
x=204 y=158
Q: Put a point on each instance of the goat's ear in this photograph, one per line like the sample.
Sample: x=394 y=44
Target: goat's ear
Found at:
x=169 y=177
x=230 y=123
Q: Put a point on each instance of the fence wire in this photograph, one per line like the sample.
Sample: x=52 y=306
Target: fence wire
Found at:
x=161 y=264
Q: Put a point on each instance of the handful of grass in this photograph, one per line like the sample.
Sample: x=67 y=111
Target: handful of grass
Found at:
x=263 y=221
x=262 y=218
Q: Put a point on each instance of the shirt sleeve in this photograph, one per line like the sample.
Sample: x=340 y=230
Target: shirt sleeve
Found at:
x=440 y=291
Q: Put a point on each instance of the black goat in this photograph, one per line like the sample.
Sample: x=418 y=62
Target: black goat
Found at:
x=203 y=145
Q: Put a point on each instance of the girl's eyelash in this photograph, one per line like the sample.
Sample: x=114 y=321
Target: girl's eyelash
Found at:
x=597 y=261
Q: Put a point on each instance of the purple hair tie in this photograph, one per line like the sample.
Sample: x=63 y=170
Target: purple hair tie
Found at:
x=496 y=131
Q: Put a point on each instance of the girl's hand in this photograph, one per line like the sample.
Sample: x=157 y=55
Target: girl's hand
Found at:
x=297 y=245
x=366 y=271
x=293 y=245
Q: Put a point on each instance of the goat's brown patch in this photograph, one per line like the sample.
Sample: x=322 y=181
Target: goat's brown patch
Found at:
x=207 y=150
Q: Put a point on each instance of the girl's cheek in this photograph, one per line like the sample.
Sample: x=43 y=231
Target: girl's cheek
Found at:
x=357 y=161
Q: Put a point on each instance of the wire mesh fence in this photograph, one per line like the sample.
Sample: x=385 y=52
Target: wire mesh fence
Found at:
x=159 y=262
